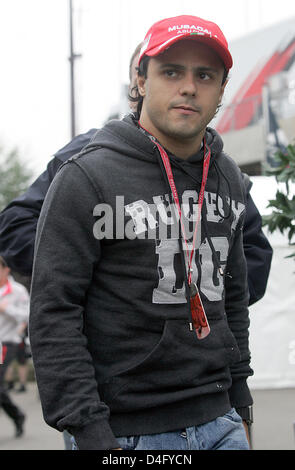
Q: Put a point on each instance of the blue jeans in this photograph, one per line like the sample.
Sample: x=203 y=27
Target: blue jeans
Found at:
x=224 y=433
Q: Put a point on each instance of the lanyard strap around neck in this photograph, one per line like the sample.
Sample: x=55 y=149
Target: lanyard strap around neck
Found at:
x=168 y=170
x=6 y=289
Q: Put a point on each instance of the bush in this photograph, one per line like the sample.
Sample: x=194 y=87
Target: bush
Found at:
x=283 y=216
x=15 y=176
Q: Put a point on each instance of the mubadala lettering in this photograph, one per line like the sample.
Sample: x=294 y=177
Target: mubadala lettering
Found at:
x=187 y=28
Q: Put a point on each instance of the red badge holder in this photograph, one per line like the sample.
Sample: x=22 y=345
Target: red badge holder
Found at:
x=199 y=319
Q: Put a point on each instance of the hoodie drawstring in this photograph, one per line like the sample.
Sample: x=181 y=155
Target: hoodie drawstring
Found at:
x=219 y=173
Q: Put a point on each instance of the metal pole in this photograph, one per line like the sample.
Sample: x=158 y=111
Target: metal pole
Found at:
x=72 y=58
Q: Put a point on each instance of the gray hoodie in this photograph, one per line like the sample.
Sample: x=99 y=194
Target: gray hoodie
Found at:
x=109 y=326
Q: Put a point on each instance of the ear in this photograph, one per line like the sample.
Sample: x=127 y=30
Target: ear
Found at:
x=141 y=81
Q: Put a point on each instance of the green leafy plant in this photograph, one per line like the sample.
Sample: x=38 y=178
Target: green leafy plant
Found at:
x=15 y=176
x=283 y=215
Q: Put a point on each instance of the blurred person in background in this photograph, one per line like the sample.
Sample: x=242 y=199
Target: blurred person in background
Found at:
x=18 y=370
x=14 y=311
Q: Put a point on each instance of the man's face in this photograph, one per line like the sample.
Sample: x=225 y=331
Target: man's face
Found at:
x=181 y=92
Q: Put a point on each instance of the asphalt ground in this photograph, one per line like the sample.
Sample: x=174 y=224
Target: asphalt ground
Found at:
x=274 y=415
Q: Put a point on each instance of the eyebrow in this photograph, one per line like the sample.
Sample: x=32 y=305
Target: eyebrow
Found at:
x=182 y=67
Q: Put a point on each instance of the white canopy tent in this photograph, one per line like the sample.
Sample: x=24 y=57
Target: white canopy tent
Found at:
x=272 y=329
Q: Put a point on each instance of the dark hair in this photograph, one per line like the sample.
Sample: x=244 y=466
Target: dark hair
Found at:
x=134 y=95
x=3 y=262
x=135 y=53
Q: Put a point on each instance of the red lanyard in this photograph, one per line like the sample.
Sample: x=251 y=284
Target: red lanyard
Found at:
x=167 y=166
x=7 y=289
x=198 y=316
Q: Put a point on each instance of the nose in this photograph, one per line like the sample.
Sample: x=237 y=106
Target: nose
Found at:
x=188 y=85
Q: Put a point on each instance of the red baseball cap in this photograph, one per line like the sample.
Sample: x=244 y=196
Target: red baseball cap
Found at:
x=166 y=32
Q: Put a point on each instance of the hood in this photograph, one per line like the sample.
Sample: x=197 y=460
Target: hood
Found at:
x=126 y=137
x=123 y=136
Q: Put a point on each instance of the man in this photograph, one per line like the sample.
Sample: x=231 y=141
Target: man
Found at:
x=139 y=319
x=18 y=221
x=14 y=310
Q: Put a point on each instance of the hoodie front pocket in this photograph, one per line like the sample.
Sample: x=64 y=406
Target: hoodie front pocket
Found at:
x=176 y=367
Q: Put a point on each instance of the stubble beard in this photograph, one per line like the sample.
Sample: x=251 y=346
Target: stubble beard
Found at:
x=181 y=132
x=177 y=130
